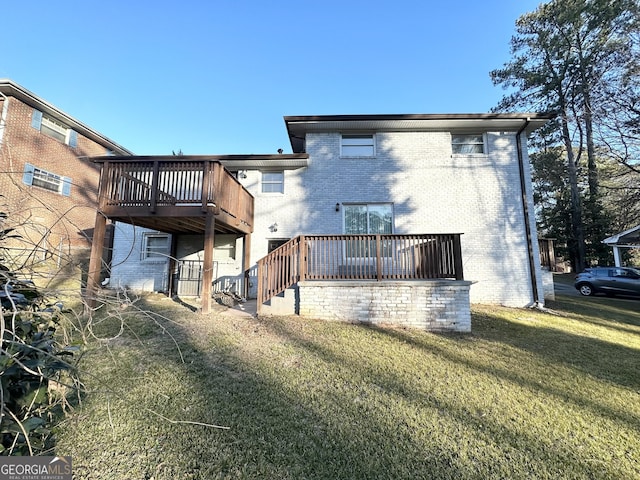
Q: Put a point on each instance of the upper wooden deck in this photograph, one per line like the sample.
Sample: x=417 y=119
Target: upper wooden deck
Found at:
x=173 y=194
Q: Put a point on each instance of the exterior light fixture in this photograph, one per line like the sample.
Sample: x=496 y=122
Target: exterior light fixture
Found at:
x=337 y=207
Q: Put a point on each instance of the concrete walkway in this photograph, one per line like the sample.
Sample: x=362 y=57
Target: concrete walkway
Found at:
x=248 y=308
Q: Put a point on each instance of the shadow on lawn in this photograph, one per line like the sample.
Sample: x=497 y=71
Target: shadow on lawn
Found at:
x=274 y=427
x=553 y=347
x=544 y=454
x=606 y=361
x=287 y=423
x=273 y=432
x=606 y=312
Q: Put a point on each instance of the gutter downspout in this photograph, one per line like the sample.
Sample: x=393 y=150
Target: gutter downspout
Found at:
x=3 y=116
x=525 y=211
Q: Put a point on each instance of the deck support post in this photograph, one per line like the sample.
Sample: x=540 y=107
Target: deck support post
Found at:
x=95 y=262
x=302 y=274
x=457 y=257
x=207 y=270
x=378 y=258
x=246 y=263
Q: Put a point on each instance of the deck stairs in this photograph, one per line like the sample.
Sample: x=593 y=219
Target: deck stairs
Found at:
x=283 y=304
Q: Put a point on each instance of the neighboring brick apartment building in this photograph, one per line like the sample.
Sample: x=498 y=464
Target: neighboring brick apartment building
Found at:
x=48 y=186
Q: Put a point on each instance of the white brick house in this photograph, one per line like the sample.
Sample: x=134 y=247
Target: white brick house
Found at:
x=401 y=174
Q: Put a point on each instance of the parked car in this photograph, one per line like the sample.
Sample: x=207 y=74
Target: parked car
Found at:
x=609 y=280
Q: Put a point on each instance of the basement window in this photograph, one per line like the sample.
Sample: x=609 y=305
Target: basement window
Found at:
x=155 y=246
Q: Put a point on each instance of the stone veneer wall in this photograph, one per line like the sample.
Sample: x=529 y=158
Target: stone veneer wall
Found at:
x=429 y=304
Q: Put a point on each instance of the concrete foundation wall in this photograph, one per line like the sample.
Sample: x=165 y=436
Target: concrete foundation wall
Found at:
x=429 y=305
x=547 y=283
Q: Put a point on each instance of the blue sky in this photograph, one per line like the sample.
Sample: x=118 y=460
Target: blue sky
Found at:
x=217 y=76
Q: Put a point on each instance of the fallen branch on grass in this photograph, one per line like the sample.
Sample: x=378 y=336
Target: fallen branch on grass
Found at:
x=188 y=422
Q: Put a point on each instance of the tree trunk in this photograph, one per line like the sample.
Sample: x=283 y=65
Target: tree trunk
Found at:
x=577 y=230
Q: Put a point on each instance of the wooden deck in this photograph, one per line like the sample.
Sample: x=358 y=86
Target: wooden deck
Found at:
x=359 y=257
x=172 y=194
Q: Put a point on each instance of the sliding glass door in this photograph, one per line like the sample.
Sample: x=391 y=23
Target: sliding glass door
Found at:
x=363 y=219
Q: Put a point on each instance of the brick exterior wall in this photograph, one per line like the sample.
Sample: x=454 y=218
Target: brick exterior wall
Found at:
x=432 y=191
x=129 y=270
x=436 y=305
x=51 y=220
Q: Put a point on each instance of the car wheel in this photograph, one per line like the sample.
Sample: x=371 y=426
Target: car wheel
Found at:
x=586 y=289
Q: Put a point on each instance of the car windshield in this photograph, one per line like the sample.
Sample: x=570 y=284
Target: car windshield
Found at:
x=635 y=270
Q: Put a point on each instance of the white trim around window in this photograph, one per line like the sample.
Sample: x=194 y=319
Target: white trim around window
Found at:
x=53 y=128
x=469 y=144
x=38 y=177
x=367 y=218
x=272 y=182
x=357 y=145
x=155 y=246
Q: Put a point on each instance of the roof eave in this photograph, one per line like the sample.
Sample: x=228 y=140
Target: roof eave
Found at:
x=615 y=239
x=10 y=88
x=242 y=162
x=299 y=126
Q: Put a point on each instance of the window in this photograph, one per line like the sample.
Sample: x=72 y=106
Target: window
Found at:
x=155 y=246
x=467 y=144
x=358 y=146
x=224 y=248
x=273 y=243
x=49 y=181
x=367 y=219
x=624 y=272
x=272 y=182
x=54 y=128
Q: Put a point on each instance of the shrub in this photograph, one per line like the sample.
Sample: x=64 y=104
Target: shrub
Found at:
x=31 y=362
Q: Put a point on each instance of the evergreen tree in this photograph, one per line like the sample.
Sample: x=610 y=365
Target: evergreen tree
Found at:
x=566 y=56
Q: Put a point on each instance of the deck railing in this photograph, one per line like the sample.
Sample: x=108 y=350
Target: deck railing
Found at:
x=359 y=257
x=162 y=182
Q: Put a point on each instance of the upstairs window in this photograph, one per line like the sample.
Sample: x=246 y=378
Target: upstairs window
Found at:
x=53 y=128
x=272 y=182
x=49 y=181
x=358 y=146
x=468 y=144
